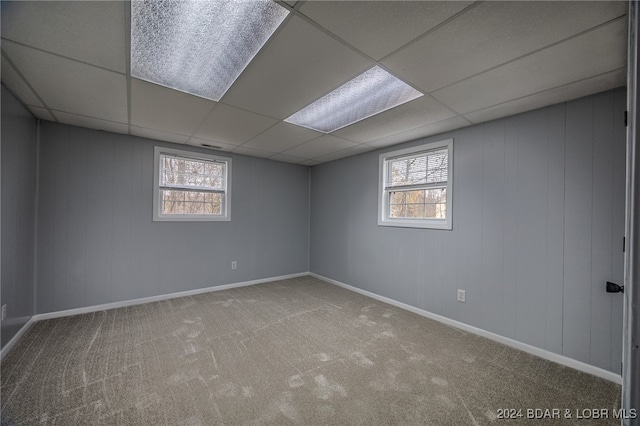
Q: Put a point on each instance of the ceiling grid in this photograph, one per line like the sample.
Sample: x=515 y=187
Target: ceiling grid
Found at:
x=472 y=61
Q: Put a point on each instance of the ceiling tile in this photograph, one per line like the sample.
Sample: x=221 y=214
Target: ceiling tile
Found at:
x=160 y=108
x=471 y=62
x=287 y=159
x=281 y=137
x=567 y=62
x=92 y=32
x=223 y=146
x=320 y=146
x=244 y=150
x=344 y=153
x=421 y=132
x=232 y=125
x=158 y=135
x=297 y=67
x=91 y=123
x=74 y=87
x=491 y=34
x=553 y=96
x=17 y=86
x=41 y=113
x=416 y=113
x=380 y=27
x=310 y=162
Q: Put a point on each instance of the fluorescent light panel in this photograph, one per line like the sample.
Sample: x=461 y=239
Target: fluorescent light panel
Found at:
x=199 y=47
x=370 y=93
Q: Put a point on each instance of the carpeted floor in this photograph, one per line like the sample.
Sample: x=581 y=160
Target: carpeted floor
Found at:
x=298 y=351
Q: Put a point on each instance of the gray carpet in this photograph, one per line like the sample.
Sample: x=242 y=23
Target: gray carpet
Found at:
x=298 y=351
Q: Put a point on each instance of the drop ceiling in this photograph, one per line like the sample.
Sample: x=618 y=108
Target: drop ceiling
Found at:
x=69 y=62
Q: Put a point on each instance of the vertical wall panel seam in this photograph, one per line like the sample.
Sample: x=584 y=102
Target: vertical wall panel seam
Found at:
x=420 y=270
x=481 y=319
x=309 y=221
x=456 y=176
x=546 y=225
x=66 y=211
x=517 y=230
x=564 y=225
x=504 y=205
x=613 y=239
x=34 y=304
x=86 y=225
x=614 y=98
x=480 y=245
x=591 y=295
x=113 y=197
x=131 y=223
x=504 y=219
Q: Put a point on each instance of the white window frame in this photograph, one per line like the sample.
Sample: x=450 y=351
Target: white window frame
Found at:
x=383 y=191
x=158 y=216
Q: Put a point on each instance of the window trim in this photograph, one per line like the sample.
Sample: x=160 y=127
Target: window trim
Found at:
x=158 y=216
x=383 y=194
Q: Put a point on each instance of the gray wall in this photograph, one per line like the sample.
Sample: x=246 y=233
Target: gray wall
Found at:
x=18 y=188
x=98 y=244
x=537 y=230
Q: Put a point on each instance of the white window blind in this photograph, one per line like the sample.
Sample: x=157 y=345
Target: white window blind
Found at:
x=416 y=187
x=190 y=186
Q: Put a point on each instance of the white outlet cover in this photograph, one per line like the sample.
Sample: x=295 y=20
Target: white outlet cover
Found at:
x=462 y=296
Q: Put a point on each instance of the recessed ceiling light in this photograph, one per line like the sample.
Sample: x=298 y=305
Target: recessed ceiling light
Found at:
x=199 y=47
x=370 y=93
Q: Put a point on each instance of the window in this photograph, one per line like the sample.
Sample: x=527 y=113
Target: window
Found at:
x=415 y=186
x=191 y=186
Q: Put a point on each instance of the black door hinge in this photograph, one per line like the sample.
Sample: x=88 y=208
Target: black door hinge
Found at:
x=624 y=244
x=625 y=119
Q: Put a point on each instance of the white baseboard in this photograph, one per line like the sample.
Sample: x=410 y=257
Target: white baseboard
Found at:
x=542 y=353
x=114 y=305
x=5 y=350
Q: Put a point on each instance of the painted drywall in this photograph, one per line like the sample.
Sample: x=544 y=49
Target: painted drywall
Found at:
x=538 y=225
x=97 y=242
x=18 y=209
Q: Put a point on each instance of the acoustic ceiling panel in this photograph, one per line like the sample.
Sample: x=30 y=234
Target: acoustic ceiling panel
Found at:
x=90 y=122
x=416 y=113
x=552 y=96
x=561 y=64
x=321 y=146
x=299 y=65
x=163 y=109
x=158 y=135
x=476 y=62
x=491 y=34
x=380 y=27
x=452 y=123
x=71 y=86
x=88 y=31
x=281 y=137
x=232 y=125
x=18 y=86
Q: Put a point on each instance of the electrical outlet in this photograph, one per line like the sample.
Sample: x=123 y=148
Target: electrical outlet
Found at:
x=462 y=296
x=234 y=265
x=4 y=312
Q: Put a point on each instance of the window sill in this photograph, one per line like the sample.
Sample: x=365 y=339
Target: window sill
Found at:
x=420 y=224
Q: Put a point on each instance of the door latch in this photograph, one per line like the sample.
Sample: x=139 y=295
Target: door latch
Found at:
x=614 y=288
